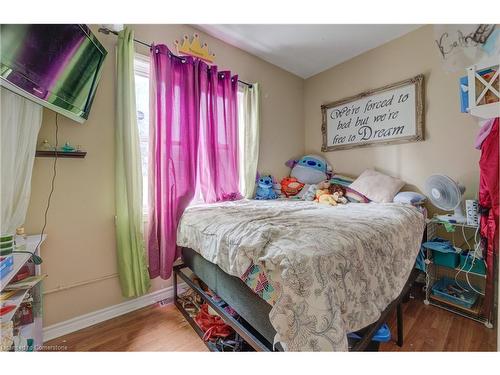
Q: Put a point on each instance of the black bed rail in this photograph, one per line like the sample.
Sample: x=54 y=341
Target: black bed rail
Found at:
x=248 y=336
x=260 y=344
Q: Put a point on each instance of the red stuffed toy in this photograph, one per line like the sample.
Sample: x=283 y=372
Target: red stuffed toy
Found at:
x=290 y=186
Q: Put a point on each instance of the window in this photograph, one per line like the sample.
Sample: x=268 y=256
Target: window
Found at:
x=141 y=70
x=241 y=138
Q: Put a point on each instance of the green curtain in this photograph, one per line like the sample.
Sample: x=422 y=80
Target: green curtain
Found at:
x=132 y=264
x=249 y=127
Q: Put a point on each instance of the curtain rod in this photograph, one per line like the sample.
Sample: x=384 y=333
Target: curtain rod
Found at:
x=107 y=31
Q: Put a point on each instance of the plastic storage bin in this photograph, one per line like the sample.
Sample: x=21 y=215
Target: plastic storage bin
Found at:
x=448 y=290
x=466 y=264
x=383 y=335
x=451 y=260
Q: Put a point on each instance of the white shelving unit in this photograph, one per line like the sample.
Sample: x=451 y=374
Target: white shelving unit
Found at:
x=33 y=330
x=15 y=300
x=479 y=88
x=435 y=271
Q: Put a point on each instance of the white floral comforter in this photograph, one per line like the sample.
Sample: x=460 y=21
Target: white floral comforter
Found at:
x=335 y=268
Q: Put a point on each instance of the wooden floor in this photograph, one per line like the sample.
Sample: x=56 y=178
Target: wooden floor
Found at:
x=154 y=328
x=163 y=328
x=429 y=328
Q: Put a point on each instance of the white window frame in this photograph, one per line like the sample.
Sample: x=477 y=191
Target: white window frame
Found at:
x=241 y=141
x=141 y=65
x=141 y=68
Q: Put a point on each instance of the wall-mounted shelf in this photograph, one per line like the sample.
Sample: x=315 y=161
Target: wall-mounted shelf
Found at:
x=483 y=88
x=61 y=154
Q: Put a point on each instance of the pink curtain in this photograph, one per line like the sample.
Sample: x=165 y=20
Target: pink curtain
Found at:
x=218 y=148
x=193 y=146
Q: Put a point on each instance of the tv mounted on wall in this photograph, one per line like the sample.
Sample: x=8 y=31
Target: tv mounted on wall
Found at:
x=57 y=66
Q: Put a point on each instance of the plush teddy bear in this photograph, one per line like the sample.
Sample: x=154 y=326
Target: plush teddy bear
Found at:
x=265 y=188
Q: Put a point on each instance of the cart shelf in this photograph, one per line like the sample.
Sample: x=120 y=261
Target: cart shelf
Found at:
x=435 y=272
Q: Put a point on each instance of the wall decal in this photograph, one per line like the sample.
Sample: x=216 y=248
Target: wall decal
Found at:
x=194 y=48
x=462 y=45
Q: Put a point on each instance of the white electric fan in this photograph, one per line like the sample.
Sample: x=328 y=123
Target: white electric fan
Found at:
x=447 y=195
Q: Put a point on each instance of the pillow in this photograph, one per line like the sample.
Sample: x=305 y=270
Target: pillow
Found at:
x=409 y=197
x=377 y=186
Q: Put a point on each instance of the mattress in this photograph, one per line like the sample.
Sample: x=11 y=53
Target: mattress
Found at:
x=333 y=269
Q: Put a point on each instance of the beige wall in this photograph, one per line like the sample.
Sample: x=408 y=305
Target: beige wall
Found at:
x=449 y=134
x=81 y=244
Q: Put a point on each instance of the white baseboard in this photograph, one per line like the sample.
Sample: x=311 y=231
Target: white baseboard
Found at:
x=87 y=320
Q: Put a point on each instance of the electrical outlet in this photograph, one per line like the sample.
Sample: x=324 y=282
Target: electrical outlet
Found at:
x=164 y=302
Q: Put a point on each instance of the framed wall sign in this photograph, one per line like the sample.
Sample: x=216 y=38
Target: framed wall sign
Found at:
x=390 y=114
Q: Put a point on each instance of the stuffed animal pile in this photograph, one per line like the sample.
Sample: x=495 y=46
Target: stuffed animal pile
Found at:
x=330 y=194
x=308 y=180
x=306 y=171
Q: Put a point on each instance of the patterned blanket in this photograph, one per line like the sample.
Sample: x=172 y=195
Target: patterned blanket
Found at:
x=333 y=269
x=257 y=280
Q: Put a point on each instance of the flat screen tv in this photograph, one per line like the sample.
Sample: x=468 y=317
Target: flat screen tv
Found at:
x=57 y=66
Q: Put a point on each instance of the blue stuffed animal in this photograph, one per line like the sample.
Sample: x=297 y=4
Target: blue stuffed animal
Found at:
x=310 y=169
x=265 y=188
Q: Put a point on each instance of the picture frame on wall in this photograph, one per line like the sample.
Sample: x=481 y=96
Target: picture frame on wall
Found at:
x=387 y=115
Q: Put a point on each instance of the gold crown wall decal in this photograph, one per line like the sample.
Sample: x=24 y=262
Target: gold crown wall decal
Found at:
x=195 y=49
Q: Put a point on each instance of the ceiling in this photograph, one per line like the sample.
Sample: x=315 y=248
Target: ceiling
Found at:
x=306 y=50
